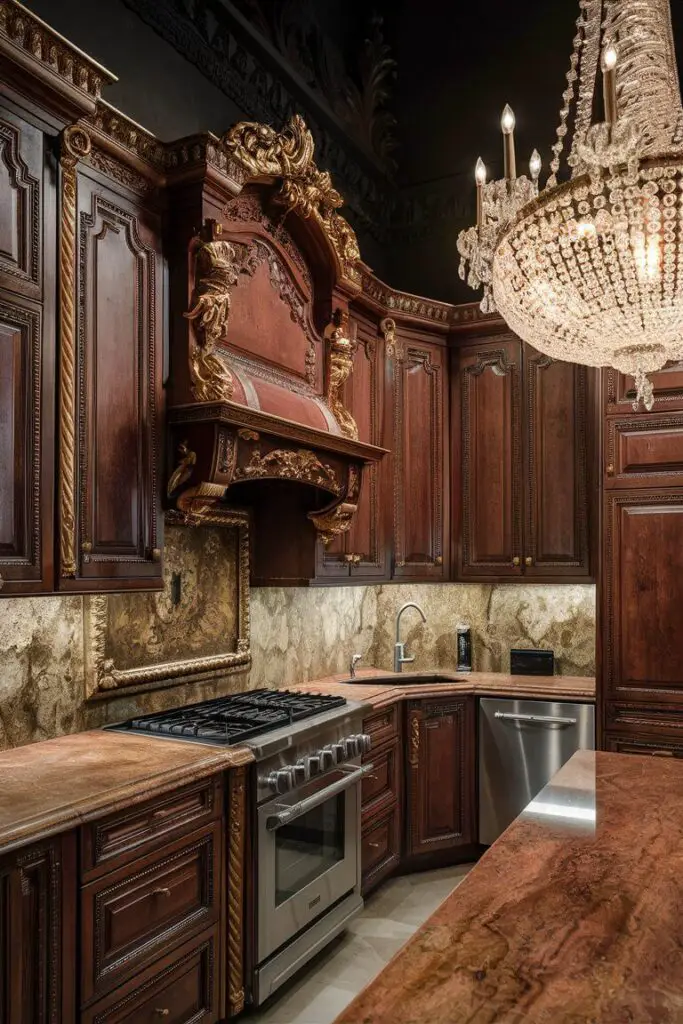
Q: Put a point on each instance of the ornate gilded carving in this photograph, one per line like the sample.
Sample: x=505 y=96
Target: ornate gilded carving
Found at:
x=236 y=845
x=401 y=302
x=340 y=368
x=331 y=523
x=289 y=155
x=415 y=740
x=183 y=471
x=394 y=348
x=75 y=143
x=198 y=506
x=301 y=464
x=218 y=267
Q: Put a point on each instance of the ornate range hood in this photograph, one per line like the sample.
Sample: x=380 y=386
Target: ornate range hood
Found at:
x=262 y=347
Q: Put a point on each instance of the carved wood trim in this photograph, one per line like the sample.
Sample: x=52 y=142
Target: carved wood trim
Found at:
x=197 y=506
x=40 y=878
x=235 y=905
x=30 y=235
x=618 y=399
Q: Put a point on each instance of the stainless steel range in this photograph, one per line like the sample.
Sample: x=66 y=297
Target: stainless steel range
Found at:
x=308 y=750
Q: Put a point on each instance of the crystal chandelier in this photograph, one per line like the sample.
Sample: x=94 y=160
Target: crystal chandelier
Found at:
x=590 y=269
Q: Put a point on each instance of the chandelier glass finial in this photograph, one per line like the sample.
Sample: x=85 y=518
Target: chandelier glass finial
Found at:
x=591 y=269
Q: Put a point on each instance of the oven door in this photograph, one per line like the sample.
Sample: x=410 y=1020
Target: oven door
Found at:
x=308 y=854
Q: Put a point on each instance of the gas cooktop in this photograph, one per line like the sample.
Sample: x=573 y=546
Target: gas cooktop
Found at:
x=233 y=719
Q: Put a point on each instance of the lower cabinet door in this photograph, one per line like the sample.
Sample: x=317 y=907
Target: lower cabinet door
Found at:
x=380 y=848
x=440 y=775
x=183 y=988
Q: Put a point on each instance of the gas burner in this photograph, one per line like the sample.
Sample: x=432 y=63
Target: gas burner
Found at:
x=233 y=719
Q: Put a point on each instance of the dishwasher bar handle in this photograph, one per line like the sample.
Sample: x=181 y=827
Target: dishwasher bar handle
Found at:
x=509 y=716
x=274 y=821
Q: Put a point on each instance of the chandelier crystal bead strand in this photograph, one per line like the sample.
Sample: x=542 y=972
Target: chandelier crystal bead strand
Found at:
x=590 y=269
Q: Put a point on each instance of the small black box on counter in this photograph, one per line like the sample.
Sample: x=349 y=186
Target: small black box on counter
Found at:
x=532 y=663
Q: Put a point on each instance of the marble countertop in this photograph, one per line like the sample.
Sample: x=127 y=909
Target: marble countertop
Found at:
x=53 y=786
x=380 y=688
x=571 y=917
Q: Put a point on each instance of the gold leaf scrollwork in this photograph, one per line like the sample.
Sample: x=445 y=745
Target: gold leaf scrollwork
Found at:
x=330 y=524
x=217 y=271
x=342 y=350
x=415 y=740
x=183 y=471
x=236 y=844
x=393 y=347
x=289 y=155
x=302 y=465
x=75 y=143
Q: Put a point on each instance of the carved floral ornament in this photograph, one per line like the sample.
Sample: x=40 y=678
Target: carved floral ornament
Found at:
x=288 y=155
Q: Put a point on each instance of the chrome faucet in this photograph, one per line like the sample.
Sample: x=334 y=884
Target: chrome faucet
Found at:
x=400 y=658
x=355 y=658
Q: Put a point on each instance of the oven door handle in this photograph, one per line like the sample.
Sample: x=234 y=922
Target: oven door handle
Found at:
x=287 y=814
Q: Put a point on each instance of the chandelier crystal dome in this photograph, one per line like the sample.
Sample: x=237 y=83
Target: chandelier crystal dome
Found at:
x=590 y=270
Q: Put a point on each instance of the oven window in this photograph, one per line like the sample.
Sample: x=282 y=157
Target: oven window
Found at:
x=308 y=847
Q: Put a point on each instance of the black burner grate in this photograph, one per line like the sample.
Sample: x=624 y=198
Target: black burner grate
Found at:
x=236 y=718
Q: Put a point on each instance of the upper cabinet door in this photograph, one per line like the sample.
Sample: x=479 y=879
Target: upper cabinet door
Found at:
x=27 y=342
x=556 y=467
x=420 y=462
x=109 y=503
x=491 y=417
x=620 y=391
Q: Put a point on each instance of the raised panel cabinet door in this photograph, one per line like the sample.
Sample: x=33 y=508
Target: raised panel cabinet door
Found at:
x=556 y=467
x=110 y=526
x=642 y=649
x=21 y=205
x=620 y=391
x=420 y=462
x=440 y=775
x=491 y=459
x=36 y=950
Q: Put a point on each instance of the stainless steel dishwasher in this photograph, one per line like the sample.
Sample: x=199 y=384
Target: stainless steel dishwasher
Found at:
x=522 y=743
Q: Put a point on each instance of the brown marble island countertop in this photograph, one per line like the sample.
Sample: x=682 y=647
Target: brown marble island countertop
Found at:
x=379 y=688
x=53 y=786
x=571 y=917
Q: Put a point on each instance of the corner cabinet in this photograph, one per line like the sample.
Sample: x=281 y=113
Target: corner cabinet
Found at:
x=421 y=462
x=37 y=944
x=440 y=775
x=27 y=355
x=110 y=412
x=526 y=445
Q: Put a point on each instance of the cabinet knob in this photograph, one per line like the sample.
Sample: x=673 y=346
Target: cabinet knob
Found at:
x=162 y=1012
x=2 y=582
x=86 y=547
x=161 y=891
x=528 y=560
x=349 y=559
x=438 y=560
x=516 y=560
x=610 y=470
x=156 y=554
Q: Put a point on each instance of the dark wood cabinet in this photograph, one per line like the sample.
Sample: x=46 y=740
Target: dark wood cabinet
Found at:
x=361 y=553
x=114 y=511
x=27 y=355
x=421 y=460
x=525 y=440
x=440 y=775
x=37 y=894
x=382 y=799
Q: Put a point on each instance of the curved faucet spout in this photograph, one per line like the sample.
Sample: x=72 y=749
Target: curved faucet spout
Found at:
x=400 y=657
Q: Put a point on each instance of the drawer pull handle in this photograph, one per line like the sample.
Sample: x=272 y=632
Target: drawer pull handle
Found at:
x=375 y=846
x=162 y=1012
x=161 y=891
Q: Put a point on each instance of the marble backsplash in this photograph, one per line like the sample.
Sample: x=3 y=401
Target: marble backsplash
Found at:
x=296 y=634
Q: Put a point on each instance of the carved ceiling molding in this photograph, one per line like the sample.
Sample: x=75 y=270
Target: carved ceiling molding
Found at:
x=196 y=507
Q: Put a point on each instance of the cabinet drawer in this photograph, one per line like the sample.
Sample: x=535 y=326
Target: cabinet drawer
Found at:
x=382 y=726
x=380 y=849
x=382 y=786
x=631 y=745
x=183 y=988
x=645 y=451
x=135 y=913
x=121 y=837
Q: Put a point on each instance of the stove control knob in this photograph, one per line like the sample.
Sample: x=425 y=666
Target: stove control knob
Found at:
x=302 y=773
x=326 y=758
x=365 y=743
x=313 y=763
x=349 y=747
x=282 y=780
x=338 y=752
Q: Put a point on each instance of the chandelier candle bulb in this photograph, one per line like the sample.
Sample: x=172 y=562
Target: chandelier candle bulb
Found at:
x=609 y=83
x=480 y=178
x=535 y=164
x=507 y=123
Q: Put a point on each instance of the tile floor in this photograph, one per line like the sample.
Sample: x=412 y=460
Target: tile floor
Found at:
x=389 y=918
